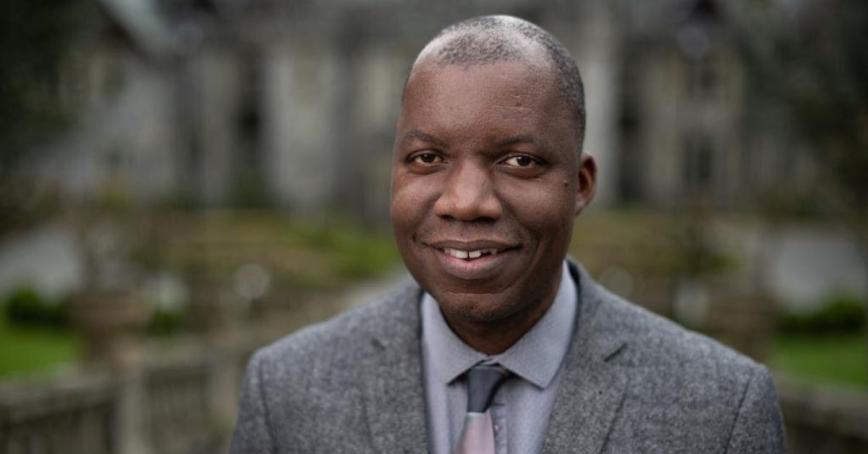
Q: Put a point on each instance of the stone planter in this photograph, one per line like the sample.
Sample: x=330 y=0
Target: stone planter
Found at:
x=111 y=323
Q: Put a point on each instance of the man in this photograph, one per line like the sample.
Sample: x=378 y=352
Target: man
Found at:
x=500 y=344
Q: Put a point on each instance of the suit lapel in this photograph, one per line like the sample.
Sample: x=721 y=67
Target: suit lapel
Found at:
x=589 y=396
x=393 y=384
x=591 y=387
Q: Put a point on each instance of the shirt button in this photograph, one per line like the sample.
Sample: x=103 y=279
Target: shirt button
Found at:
x=496 y=428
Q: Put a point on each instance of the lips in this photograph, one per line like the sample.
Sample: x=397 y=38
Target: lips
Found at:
x=472 y=260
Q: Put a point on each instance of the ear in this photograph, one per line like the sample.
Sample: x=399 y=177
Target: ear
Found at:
x=587 y=181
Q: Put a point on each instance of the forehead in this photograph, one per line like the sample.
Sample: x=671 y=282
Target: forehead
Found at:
x=489 y=97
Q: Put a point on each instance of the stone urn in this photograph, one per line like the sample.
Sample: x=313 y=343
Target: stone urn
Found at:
x=211 y=310
x=111 y=323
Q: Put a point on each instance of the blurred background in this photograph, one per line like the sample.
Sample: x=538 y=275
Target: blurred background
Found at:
x=182 y=181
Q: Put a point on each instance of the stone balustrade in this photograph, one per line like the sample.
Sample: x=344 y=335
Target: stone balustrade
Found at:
x=183 y=402
x=77 y=415
x=822 y=419
x=169 y=403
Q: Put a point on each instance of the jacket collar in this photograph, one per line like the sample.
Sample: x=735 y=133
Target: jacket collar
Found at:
x=592 y=386
x=587 y=401
x=393 y=383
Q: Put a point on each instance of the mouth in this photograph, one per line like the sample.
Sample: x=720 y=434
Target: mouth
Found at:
x=472 y=260
x=471 y=250
x=469 y=255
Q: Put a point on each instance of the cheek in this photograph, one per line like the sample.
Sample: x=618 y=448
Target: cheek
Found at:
x=411 y=200
x=546 y=209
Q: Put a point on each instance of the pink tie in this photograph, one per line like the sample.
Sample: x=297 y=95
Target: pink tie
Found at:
x=477 y=437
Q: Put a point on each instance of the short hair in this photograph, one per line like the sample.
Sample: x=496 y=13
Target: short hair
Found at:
x=491 y=39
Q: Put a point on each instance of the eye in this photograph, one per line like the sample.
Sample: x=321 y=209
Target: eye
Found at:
x=425 y=158
x=522 y=161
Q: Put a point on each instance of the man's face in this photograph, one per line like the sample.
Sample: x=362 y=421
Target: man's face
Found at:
x=485 y=187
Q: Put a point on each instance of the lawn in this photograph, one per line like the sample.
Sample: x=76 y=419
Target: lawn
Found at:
x=28 y=351
x=840 y=359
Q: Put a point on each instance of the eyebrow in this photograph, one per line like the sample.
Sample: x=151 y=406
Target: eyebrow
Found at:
x=423 y=136
x=416 y=134
x=521 y=138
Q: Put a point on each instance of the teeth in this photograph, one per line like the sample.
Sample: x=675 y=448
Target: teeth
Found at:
x=464 y=255
x=457 y=253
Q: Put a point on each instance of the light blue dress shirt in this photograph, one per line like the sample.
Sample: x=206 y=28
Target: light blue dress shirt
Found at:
x=522 y=406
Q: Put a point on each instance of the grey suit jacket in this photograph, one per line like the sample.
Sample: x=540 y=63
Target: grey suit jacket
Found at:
x=632 y=382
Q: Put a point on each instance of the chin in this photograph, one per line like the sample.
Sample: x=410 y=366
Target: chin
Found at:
x=522 y=290
x=481 y=308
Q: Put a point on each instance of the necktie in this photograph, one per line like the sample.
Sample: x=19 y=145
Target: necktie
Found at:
x=477 y=437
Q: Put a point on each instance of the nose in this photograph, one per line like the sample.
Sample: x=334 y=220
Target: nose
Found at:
x=469 y=195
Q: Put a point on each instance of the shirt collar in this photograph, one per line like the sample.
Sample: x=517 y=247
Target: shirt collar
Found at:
x=536 y=357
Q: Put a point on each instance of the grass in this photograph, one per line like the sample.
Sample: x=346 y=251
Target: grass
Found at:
x=840 y=359
x=29 y=351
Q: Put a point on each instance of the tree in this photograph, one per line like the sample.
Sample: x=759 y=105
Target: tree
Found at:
x=811 y=58
x=35 y=36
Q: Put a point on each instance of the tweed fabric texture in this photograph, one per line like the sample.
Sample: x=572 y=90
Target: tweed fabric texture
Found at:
x=632 y=382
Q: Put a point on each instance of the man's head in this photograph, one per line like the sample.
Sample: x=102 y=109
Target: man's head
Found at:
x=488 y=173
x=493 y=39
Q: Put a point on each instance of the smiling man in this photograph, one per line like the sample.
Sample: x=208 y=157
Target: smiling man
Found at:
x=500 y=344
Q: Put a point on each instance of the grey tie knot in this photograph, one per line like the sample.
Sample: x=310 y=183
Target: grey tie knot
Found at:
x=482 y=383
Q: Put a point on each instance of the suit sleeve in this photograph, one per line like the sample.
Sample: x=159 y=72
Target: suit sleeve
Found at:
x=758 y=427
x=252 y=434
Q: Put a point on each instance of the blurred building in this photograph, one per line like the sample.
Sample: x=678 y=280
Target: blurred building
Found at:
x=259 y=102
x=292 y=104
x=692 y=128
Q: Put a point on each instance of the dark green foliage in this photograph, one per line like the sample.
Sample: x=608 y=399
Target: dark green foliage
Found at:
x=36 y=93
x=814 y=63
x=250 y=191
x=841 y=314
x=355 y=253
x=366 y=259
x=35 y=36
x=165 y=322
x=25 y=307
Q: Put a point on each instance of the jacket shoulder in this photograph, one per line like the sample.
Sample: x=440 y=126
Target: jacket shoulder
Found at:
x=307 y=387
x=344 y=339
x=655 y=341
x=680 y=378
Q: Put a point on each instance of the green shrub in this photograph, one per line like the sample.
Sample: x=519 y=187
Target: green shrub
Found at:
x=841 y=314
x=166 y=322
x=351 y=251
x=25 y=307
